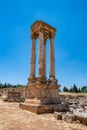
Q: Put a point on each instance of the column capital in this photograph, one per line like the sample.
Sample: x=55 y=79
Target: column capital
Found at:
x=51 y=35
x=41 y=35
x=41 y=29
x=33 y=36
x=44 y=36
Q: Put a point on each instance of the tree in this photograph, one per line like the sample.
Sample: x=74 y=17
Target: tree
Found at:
x=19 y=85
x=59 y=90
x=5 y=85
x=79 y=90
x=74 y=89
x=84 y=89
x=65 y=89
x=71 y=89
x=1 y=85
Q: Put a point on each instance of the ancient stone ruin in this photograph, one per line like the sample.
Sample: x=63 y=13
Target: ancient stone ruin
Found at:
x=77 y=104
x=42 y=93
x=13 y=94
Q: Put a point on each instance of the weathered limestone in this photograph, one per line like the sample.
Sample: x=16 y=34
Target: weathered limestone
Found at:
x=42 y=94
x=77 y=104
x=14 y=94
x=40 y=109
x=81 y=116
x=41 y=55
x=33 y=60
x=52 y=59
x=44 y=58
x=22 y=90
x=58 y=115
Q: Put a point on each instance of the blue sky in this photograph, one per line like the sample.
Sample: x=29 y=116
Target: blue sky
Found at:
x=69 y=17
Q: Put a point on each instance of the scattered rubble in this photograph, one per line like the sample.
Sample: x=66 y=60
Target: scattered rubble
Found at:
x=58 y=115
x=77 y=109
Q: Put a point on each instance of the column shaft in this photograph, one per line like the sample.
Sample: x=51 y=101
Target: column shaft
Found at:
x=33 y=58
x=45 y=58
x=41 y=55
x=52 y=59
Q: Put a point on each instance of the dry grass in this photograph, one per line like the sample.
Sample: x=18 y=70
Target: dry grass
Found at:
x=13 y=118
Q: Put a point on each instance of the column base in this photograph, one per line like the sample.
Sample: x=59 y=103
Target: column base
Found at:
x=52 y=80
x=42 y=94
x=41 y=80
x=31 y=79
x=42 y=98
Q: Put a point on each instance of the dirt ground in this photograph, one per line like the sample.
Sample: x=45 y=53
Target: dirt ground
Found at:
x=13 y=118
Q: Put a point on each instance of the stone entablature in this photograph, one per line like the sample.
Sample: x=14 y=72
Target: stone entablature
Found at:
x=39 y=26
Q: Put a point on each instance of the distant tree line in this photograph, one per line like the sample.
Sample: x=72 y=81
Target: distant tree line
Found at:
x=75 y=89
x=7 y=85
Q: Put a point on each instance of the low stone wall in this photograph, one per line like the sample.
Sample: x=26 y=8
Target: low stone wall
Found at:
x=5 y=91
x=75 y=100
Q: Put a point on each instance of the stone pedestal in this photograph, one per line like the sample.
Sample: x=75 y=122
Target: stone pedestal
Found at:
x=42 y=93
x=42 y=98
x=40 y=109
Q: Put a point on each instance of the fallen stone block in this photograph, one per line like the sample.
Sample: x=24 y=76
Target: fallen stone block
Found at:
x=58 y=115
x=4 y=98
x=81 y=116
x=68 y=117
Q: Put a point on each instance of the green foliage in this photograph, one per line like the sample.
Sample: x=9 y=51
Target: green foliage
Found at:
x=79 y=90
x=59 y=90
x=7 y=85
x=74 y=89
x=84 y=89
x=19 y=85
x=1 y=85
x=65 y=89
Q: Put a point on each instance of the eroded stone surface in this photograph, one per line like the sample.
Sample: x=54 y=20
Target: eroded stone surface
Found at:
x=58 y=115
x=68 y=117
x=81 y=116
x=42 y=98
x=77 y=107
x=40 y=109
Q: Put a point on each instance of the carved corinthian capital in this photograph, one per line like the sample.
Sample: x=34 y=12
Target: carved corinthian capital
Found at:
x=51 y=35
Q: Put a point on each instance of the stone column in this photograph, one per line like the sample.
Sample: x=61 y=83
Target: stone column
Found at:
x=41 y=56
x=45 y=58
x=33 y=58
x=52 y=59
